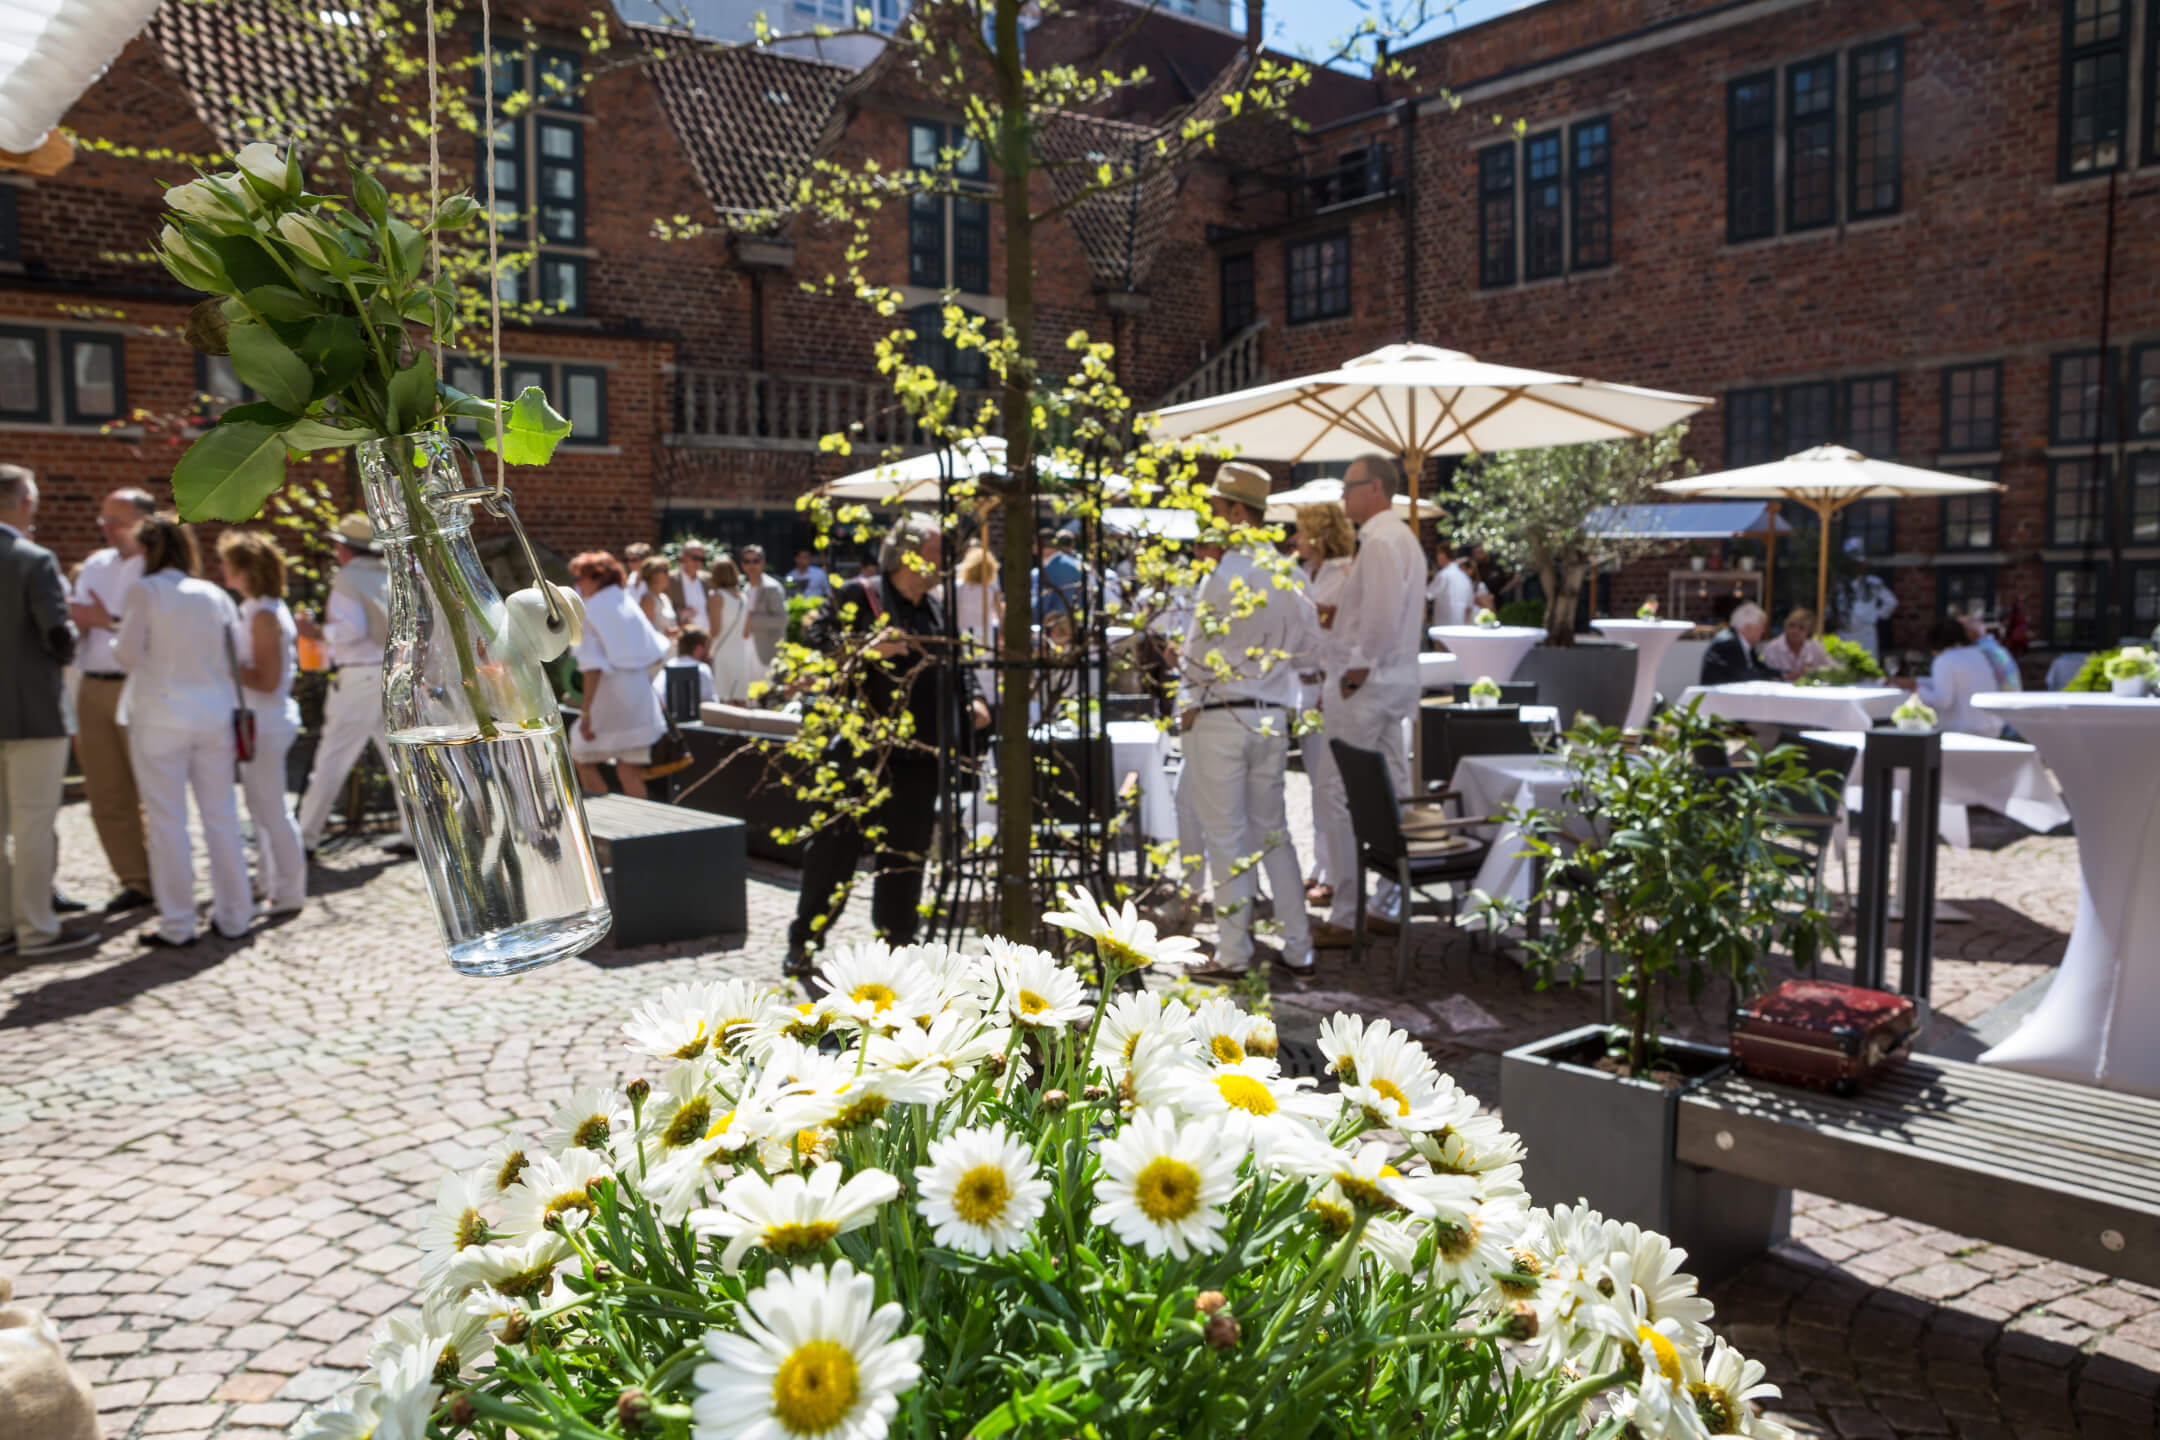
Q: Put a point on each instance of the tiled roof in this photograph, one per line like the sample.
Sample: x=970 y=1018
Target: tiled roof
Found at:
x=750 y=120
x=255 y=69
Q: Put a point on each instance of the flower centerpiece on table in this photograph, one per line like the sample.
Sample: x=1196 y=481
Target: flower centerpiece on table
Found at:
x=2132 y=671
x=1648 y=610
x=1850 y=664
x=1484 y=694
x=1914 y=714
x=1485 y=619
x=964 y=1193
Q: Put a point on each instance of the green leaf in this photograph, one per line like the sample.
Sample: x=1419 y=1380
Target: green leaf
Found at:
x=303 y=437
x=406 y=252
x=245 y=260
x=412 y=393
x=337 y=350
x=229 y=472
x=280 y=302
x=532 y=431
x=260 y=412
x=372 y=197
x=263 y=364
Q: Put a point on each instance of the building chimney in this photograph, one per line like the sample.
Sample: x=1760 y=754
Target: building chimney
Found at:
x=1255 y=27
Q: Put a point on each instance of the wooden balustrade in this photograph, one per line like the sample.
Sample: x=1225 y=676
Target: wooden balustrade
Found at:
x=1235 y=366
x=755 y=409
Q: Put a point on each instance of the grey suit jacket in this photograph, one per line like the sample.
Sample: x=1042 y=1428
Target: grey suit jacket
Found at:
x=36 y=641
x=768 y=617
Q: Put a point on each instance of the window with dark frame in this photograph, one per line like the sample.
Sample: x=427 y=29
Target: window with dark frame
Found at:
x=2141 y=599
x=2095 y=82
x=1544 y=244
x=1235 y=278
x=25 y=387
x=1969 y=521
x=2077 y=397
x=1319 y=277
x=2077 y=501
x=2143 y=495
x=1876 y=101
x=1590 y=193
x=1751 y=435
x=1871 y=415
x=1809 y=416
x=93 y=378
x=2145 y=361
x=1496 y=215
x=1964 y=590
x=10 y=225
x=948 y=235
x=538 y=158
x=2074 y=609
x=1873 y=523
x=1972 y=407
x=966 y=368
x=1751 y=157
x=560 y=174
x=557 y=77
x=971 y=245
x=584 y=404
x=1811 y=144
x=562 y=282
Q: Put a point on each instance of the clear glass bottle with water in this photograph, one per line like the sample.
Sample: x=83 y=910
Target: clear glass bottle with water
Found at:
x=477 y=749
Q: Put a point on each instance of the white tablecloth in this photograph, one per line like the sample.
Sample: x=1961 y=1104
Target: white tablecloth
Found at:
x=1490 y=784
x=2003 y=775
x=1810 y=707
x=2096 y=1025
x=1136 y=747
x=1651 y=639
x=1487 y=651
x=1436 y=671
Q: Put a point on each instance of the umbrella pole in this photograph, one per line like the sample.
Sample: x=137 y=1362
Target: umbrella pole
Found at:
x=1822 y=567
x=1769 y=562
x=1413 y=471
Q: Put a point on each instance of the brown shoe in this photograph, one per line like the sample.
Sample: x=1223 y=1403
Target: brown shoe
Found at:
x=1320 y=894
x=1381 y=925
x=1329 y=936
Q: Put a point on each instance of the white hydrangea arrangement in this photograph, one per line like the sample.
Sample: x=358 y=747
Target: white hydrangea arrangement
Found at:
x=963 y=1195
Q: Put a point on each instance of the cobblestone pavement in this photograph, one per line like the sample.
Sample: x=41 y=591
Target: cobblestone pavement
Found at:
x=212 y=1163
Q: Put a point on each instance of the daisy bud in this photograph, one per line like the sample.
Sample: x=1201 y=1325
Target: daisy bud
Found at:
x=461 y=1409
x=1209 y=1301
x=1221 y=1331
x=995 y=1062
x=1094 y=1093
x=516 y=1327
x=638 y=1089
x=1262 y=1040
x=1055 y=1100
x=603 y=1273
x=1522 y=1323
x=633 y=1409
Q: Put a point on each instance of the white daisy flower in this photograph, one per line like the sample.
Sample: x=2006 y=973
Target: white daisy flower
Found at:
x=736 y=1005
x=350 y=1417
x=1162 y=1068
x=1471 y=1243
x=1162 y=1185
x=792 y=1216
x=1221 y=1029
x=1725 y=1389
x=1616 y=1306
x=841 y=1092
x=1653 y=1266
x=1392 y=1242
x=553 y=1187
x=779 y=1021
x=522 y=1269
x=505 y=1161
x=1478 y=1145
x=955 y=1042
x=1133 y=1014
x=1372 y=1183
x=871 y=984
x=980 y=1191
x=1122 y=939
x=678 y=1114
x=1274 y=1113
x=588 y=1120
x=960 y=980
x=677 y=1183
x=446 y=1328
x=459 y=1222
x=1261 y=1039
x=817 y=1357
x=676 y=1024
x=1036 y=990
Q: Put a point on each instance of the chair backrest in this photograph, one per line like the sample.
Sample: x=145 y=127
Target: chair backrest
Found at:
x=1465 y=732
x=684 y=692
x=1375 y=810
x=1073 y=781
x=1831 y=764
x=1512 y=692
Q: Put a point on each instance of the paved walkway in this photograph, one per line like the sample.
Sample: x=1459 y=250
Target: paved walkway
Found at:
x=212 y=1163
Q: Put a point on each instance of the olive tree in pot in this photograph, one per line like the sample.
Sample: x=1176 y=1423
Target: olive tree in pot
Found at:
x=1668 y=871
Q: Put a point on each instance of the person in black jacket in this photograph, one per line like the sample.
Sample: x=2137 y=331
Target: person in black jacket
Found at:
x=899 y=673
x=37 y=641
x=1731 y=656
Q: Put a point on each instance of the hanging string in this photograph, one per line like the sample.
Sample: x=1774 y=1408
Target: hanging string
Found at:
x=494 y=286
x=434 y=190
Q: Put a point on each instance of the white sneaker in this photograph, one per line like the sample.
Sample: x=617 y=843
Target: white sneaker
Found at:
x=270 y=910
x=60 y=944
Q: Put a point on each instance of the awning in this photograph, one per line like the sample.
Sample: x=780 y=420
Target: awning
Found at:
x=1180 y=525
x=1687 y=520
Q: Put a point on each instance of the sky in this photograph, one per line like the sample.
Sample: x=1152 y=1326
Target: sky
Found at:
x=1315 y=27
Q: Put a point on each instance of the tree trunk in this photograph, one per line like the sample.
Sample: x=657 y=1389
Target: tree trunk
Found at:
x=1016 y=758
x=1562 y=601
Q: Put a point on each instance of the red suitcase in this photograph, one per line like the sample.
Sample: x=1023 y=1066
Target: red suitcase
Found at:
x=1823 y=1035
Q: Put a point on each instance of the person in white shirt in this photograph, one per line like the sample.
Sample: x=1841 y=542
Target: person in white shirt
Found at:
x=620 y=717
x=808 y=579
x=178 y=706
x=650 y=591
x=1237 y=700
x=686 y=588
x=735 y=664
x=263 y=654
x=1796 y=652
x=1326 y=544
x=355 y=627
x=980 y=610
x=1959 y=672
x=693 y=648
x=1865 y=602
x=100 y=742
x=768 y=604
x=1451 y=598
x=1372 y=669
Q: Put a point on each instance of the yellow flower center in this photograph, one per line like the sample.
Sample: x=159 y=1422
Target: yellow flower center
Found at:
x=591 y=1133
x=1336 y=1218
x=881 y=997
x=567 y=1201
x=1455 y=1242
x=719 y=1126
x=472 y=1229
x=1387 y=1088
x=1167 y=1190
x=805 y=1237
x=861 y=1112
x=694 y=1046
x=1032 y=1004
x=1246 y=1093
x=982 y=1195
x=512 y=1167
x=1367 y=1194
x=807 y=1143
x=1668 y=1358
x=815 y=1388
x=1117 y=955
x=720 y=1043
x=1226 y=1050
x=689 y=1123
x=1719 y=1411
x=1132 y=1043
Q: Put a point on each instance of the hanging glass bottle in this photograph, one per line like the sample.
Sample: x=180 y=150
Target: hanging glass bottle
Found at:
x=477 y=749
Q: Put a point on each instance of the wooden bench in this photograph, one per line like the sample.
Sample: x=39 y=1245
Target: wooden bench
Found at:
x=2067 y=1171
x=672 y=873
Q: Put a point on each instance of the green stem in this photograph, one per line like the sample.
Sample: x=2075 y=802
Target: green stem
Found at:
x=428 y=545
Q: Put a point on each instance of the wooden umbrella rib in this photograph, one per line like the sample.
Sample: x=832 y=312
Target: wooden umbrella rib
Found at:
x=1582 y=414
x=1346 y=418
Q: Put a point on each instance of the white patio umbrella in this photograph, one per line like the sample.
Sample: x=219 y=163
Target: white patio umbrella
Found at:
x=919 y=479
x=1282 y=506
x=1825 y=480
x=1417 y=401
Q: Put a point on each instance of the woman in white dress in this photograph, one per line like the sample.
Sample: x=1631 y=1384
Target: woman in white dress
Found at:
x=980 y=605
x=651 y=595
x=178 y=706
x=735 y=663
x=1326 y=542
x=621 y=717
x=263 y=644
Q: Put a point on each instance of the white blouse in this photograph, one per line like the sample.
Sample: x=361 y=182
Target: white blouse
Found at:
x=275 y=706
x=172 y=646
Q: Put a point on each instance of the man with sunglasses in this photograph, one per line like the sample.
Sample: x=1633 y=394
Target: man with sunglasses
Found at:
x=101 y=744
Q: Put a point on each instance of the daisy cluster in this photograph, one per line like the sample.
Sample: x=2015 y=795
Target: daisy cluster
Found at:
x=804 y=1206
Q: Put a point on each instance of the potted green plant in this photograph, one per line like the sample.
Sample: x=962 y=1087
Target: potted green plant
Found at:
x=1850 y=664
x=1648 y=610
x=1914 y=716
x=1484 y=694
x=1485 y=619
x=2132 y=671
x=1660 y=871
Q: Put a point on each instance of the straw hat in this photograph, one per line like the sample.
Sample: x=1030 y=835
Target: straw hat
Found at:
x=356 y=531
x=1242 y=483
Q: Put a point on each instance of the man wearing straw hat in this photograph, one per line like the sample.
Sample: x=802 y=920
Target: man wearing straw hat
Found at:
x=354 y=628
x=1243 y=649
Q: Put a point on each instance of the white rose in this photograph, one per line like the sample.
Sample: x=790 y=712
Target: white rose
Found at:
x=262 y=161
x=208 y=199
x=186 y=260
x=315 y=243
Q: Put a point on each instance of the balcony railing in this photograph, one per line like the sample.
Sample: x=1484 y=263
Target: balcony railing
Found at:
x=757 y=410
x=1234 y=367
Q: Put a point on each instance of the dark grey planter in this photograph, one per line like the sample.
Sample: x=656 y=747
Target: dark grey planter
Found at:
x=1596 y=1137
x=1591 y=676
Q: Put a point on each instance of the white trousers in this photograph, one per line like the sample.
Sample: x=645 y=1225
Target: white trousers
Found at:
x=32 y=775
x=1234 y=763
x=352 y=716
x=1320 y=773
x=1371 y=719
x=262 y=781
x=168 y=764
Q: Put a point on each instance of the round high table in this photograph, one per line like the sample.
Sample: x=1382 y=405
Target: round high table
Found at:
x=1487 y=650
x=1651 y=639
x=2095 y=1026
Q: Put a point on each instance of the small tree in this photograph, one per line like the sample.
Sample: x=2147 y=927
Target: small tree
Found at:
x=1672 y=868
x=1539 y=510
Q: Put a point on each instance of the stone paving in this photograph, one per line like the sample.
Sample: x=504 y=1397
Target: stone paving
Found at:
x=212 y=1163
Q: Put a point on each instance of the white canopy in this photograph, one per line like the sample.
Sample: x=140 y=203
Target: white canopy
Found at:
x=1687 y=520
x=51 y=51
x=1167 y=524
x=1283 y=504
x=919 y=479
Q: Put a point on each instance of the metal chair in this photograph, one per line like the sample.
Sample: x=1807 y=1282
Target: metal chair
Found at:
x=1457 y=731
x=1512 y=692
x=1430 y=853
x=685 y=691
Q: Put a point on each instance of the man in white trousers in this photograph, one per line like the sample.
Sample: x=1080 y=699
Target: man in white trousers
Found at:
x=1372 y=676
x=1251 y=631
x=354 y=627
